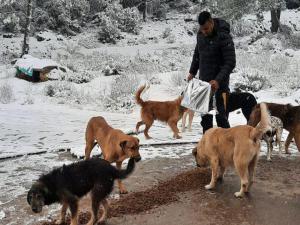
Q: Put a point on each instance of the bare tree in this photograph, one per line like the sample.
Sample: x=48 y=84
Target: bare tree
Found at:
x=25 y=48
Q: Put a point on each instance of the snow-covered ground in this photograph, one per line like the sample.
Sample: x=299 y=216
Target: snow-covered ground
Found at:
x=32 y=122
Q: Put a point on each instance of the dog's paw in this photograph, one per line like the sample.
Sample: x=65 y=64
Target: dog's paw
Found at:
x=60 y=222
x=239 y=194
x=269 y=159
x=123 y=192
x=209 y=187
x=177 y=137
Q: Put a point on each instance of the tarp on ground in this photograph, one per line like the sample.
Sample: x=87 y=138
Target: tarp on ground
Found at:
x=27 y=64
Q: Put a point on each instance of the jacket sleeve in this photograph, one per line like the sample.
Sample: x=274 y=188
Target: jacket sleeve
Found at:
x=229 y=60
x=195 y=63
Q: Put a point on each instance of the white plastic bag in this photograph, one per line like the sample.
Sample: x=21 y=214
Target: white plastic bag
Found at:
x=196 y=96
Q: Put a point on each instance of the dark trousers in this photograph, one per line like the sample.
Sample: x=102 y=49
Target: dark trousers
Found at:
x=222 y=112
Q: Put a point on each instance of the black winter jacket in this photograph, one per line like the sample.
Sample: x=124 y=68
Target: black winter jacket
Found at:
x=214 y=56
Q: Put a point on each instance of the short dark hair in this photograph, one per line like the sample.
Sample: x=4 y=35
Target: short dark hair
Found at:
x=203 y=17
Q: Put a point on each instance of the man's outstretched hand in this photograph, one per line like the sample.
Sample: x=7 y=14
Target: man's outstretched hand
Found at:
x=189 y=77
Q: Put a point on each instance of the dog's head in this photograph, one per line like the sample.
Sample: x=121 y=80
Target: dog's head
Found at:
x=130 y=147
x=36 y=197
x=201 y=159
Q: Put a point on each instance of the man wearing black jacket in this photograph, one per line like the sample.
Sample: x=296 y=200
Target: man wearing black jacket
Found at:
x=214 y=57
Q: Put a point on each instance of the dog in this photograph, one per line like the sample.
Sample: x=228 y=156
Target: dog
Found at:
x=276 y=130
x=68 y=184
x=191 y=114
x=238 y=146
x=290 y=117
x=116 y=146
x=236 y=100
x=241 y=100
x=169 y=111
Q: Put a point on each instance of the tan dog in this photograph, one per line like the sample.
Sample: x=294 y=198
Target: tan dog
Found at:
x=289 y=115
x=238 y=146
x=168 y=111
x=191 y=114
x=116 y=146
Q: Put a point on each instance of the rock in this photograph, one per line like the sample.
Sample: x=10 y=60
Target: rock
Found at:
x=191 y=33
x=8 y=35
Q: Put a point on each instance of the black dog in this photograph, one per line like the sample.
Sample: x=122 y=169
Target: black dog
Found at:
x=69 y=183
x=241 y=100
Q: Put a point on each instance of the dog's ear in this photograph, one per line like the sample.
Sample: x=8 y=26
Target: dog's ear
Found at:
x=194 y=152
x=123 y=144
x=29 y=196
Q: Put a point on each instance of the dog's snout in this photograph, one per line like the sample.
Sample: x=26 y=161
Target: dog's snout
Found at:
x=35 y=209
x=137 y=158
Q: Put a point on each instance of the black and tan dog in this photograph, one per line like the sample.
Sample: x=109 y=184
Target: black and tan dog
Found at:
x=68 y=184
x=290 y=117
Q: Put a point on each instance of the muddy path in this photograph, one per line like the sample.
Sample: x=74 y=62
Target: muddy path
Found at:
x=171 y=191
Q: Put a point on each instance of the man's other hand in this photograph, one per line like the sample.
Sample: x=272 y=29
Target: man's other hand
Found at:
x=214 y=85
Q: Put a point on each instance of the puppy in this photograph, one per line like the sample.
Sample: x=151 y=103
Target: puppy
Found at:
x=169 y=111
x=237 y=146
x=191 y=114
x=115 y=145
x=276 y=129
x=68 y=184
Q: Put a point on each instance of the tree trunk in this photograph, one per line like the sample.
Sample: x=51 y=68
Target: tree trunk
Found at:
x=25 y=48
x=145 y=11
x=275 y=19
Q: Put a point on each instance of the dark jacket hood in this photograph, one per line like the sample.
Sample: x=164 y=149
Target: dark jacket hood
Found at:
x=221 y=25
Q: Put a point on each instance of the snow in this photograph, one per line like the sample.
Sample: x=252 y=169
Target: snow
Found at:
x=35 y=123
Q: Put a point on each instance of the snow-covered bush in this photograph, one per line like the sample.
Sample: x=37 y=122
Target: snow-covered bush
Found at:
x=130 y=21
x=98 y=5
x=180 y=5
x=109 y=32
x=6 y=93
x=79 y=77
x=171 y=39
x=79 y=8
x=166 y=32
x=127 y=20
x=250 y=80
x=11 y=23
x=122 y=92
x=292 y=40
x=177 y=79
x=242 y=28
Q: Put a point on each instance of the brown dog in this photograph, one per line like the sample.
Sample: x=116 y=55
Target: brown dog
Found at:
x=289 y=115
x=168 y=111
x=237 y=146
x=115 y=145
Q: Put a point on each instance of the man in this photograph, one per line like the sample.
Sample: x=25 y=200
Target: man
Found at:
x=214 y=57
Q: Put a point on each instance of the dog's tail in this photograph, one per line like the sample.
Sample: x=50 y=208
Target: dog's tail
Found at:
x=264 y=124
x=122 y=174
x=138 y=98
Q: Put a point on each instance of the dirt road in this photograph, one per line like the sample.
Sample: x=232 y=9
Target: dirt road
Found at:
x=171 y=191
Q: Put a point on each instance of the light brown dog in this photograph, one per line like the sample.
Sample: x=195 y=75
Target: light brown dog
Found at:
x=168 y=111
x=115 y=145
x=290 y=117
x=191 y=114
x=237 y=146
